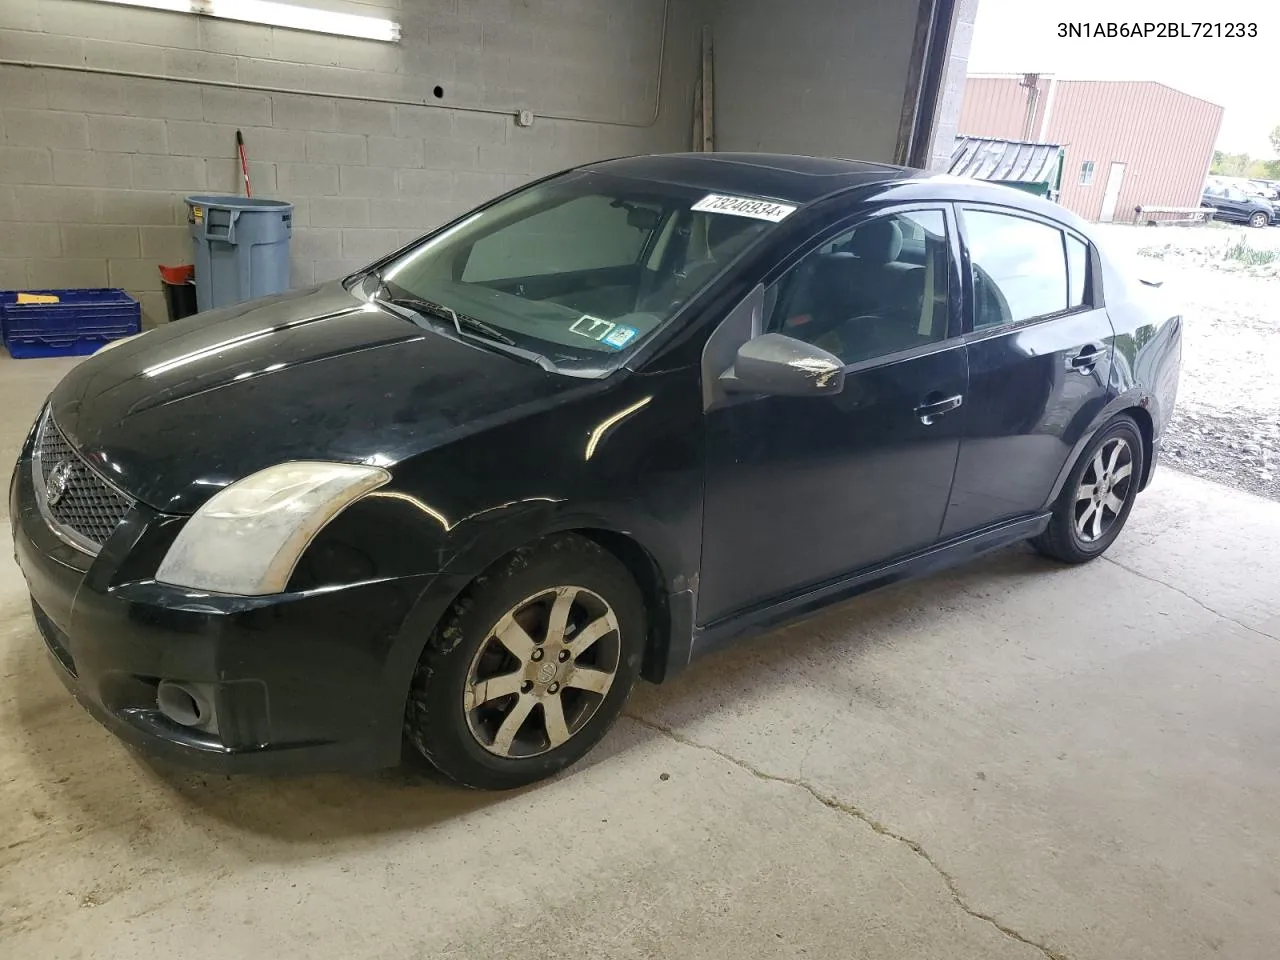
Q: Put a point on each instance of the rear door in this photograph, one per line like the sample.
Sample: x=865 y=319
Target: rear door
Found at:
x=1040 y=347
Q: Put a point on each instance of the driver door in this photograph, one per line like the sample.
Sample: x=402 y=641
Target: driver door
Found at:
x=805 y=490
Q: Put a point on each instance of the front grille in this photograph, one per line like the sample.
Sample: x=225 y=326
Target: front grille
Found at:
x=77 y=503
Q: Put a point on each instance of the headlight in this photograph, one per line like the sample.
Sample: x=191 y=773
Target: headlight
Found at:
x=249 y=536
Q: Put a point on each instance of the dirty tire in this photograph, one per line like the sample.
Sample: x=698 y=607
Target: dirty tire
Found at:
x=1061 y=540
x=436 y=720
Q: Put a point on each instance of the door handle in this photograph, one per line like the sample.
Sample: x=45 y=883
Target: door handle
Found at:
x=932 y=408
x=1086 y=359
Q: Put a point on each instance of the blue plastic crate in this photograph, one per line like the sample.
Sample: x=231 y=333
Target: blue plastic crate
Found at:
x=78 y=324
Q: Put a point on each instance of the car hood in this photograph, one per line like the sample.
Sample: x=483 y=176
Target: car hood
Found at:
x=192 y=406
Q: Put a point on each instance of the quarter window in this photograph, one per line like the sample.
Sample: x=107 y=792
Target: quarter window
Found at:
x=1019 y=268
x=1086 y=173
x=1077 y=270
x=878 y=289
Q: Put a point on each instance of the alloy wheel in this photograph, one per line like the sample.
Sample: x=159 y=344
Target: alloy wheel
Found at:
x=1104 y=489
x=542 y=672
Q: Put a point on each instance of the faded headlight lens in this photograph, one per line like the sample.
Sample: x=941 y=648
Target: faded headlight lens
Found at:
x=247 y=539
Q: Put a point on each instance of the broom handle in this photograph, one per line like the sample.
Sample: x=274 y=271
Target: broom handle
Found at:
x=244 y=164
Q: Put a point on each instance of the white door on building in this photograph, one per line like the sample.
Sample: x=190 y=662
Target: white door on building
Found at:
x=1112 y=193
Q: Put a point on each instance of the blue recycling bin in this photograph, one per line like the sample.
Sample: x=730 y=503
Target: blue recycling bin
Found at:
x=240 y=247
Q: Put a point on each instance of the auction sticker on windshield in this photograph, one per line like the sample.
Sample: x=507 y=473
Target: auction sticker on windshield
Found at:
x=744 y=207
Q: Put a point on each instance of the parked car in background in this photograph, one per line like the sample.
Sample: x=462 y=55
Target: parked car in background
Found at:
x=592 y=430
x=1267 y=189
x=1253 y=186
x=1233 y=205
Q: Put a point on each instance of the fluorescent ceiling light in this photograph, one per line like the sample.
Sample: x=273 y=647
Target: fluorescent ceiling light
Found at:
x=275 y=14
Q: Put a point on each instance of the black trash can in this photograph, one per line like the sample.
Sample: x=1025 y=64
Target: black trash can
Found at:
x=179 y=291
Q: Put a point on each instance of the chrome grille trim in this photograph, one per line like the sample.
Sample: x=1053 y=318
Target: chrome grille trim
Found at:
x=91 y=507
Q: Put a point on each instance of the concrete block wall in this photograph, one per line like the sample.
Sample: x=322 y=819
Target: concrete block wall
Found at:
x=953 y=79
x=94 y=168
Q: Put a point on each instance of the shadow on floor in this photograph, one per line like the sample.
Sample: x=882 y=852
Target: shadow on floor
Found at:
x=90 y=770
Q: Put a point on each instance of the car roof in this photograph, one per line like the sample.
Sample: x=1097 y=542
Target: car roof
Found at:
x=778 y=176
x=802 y=180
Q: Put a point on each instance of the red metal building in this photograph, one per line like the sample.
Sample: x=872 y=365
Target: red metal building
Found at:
x=1128 y=143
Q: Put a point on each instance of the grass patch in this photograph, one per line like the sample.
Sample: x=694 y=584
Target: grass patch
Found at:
x=1241 y=252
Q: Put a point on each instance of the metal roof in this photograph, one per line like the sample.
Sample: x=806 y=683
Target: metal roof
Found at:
x=1005 y=161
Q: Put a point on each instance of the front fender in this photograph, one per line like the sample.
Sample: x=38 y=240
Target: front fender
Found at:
x=626 y=462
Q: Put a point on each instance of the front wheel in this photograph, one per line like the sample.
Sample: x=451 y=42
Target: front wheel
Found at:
x=1097 y=497
x=1259 y=219
x=530 y=667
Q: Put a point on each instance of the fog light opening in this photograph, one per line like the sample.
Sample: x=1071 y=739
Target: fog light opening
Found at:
x=181 y=704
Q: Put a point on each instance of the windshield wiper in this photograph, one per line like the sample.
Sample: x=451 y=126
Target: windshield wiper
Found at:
x=460 y=321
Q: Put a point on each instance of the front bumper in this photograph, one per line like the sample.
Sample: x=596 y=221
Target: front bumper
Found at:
x=306 y=681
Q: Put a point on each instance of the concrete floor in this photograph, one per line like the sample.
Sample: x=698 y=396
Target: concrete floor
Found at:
x=1014 y=760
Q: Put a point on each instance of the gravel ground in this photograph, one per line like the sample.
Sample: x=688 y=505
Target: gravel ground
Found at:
x=1226 y=426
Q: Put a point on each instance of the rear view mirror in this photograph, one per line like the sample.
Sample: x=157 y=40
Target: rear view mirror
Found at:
x=782 y=366
x=643 y=218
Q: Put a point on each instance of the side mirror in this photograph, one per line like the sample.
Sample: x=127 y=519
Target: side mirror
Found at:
x=782 y=366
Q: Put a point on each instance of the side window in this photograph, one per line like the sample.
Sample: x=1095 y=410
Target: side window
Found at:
x=1077 y=271
x=1019 y=268
x=586 y=233
x=1086 y=173
x=878 y=289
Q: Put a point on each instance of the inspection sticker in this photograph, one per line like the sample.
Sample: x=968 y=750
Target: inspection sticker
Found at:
x=744 y=207
x=596 y=328
x=620 y=336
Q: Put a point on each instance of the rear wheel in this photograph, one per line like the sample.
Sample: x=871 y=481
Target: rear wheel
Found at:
x=1259 y=219
x=1097 y=497
x=530 y=667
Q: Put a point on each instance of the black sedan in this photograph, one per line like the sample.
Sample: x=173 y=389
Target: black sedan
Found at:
x=590 y=431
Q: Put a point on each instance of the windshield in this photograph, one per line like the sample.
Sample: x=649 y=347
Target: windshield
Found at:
x=580 y=269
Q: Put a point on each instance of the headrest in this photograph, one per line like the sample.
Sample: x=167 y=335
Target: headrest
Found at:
x=722 y=230
x=879 y=241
